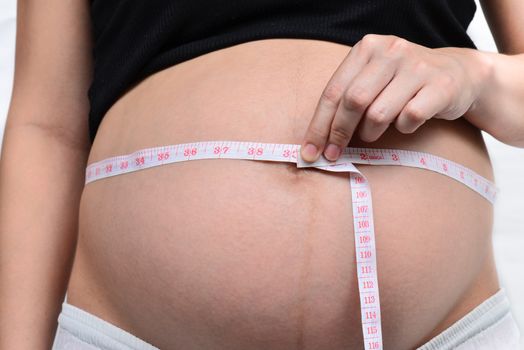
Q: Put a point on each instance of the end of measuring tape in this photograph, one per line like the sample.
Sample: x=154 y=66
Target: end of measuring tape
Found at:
x=321 y=161
x=342 y=164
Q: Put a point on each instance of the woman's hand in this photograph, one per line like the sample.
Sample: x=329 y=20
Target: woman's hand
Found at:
x=385 y=79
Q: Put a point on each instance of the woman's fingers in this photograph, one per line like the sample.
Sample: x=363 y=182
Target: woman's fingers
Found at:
x=388 y=105
x=360 y=94
x=427 y=103
x=384 y=79
x=319 y=126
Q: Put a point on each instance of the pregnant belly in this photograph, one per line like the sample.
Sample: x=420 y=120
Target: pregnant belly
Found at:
x=239 y=254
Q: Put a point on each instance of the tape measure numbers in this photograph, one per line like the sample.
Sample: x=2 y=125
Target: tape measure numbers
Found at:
x=364 y=232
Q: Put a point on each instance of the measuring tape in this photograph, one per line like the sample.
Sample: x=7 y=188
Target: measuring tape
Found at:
x=360 y=193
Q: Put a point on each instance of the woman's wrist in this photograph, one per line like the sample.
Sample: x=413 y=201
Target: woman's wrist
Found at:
x=481 y=68
x=478 y=66
x=499 y=94
x=482 y=71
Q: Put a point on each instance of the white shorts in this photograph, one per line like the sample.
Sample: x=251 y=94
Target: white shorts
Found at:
x=490 y=326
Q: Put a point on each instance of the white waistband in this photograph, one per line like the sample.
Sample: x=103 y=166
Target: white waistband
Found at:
x=487 y=320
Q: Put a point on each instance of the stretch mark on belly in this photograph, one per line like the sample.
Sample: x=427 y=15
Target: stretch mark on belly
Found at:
x=364 y=232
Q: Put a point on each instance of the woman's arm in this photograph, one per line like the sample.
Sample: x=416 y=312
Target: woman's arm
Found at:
x=44 y=154
x=499 y=109
x=504 y=18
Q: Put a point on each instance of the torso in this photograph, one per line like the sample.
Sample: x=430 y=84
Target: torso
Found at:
x=266 y=260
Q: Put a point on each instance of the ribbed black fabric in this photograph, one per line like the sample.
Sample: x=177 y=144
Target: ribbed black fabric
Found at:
x=134 y=39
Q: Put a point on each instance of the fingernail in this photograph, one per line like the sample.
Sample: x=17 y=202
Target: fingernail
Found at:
x=332 y=152
x=310 y=152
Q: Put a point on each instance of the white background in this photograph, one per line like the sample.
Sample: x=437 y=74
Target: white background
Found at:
x=508 y=163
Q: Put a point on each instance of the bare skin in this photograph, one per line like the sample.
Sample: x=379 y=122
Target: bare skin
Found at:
x=271 y=264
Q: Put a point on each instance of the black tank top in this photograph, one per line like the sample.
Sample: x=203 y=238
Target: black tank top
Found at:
x=135 y=38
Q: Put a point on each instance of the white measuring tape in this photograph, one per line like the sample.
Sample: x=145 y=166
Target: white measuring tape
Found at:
x=360 y=193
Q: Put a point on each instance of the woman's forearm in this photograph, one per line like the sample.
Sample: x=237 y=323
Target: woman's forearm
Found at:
x=41 y=180
x=499 y=107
